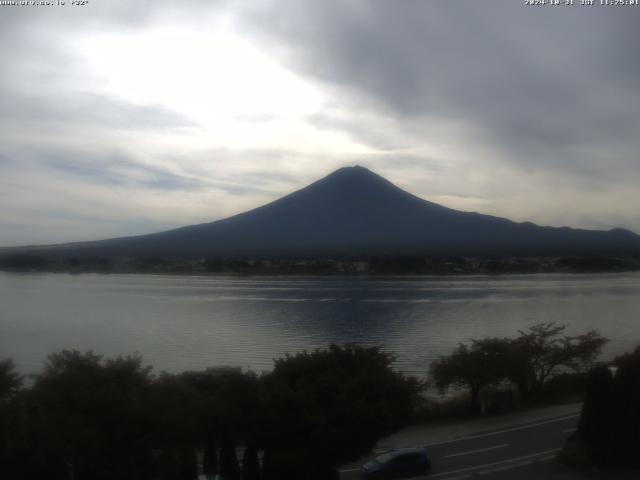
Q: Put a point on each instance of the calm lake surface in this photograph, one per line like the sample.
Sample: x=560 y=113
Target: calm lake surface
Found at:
x=191 y=322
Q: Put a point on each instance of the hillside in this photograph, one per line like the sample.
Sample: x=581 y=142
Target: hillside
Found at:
x=354 y=211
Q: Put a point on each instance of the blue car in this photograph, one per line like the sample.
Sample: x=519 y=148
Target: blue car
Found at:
x=399 y=463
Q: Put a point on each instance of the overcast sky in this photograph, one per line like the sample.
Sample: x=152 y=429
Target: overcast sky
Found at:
x=131 y=117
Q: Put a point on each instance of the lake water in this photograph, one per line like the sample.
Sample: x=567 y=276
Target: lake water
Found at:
x=191 y=322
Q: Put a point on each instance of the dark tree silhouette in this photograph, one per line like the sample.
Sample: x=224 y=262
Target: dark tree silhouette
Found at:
x=10 y=380
x=476 y=366
x=188 y=464
x=168 y=466
x=210 y=457
x=94 y=418
x=609 y=428
x=539 y=352
x=595 y=420
x=226 y=399
x=90 y=413
x=229 y=466
x=625 y=421
x=328 y=407
x=13 y=455
x=528 y=361
x=250 y=463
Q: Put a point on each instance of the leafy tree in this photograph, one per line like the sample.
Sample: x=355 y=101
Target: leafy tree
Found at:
x=625 y=421
x=226 y=400
x=542 y=350
x=229 y=466
x=168 y=465
x=529 y=361
x=10 y=383
x=210 y=457
x=482 y=363
x=188 y=469
x=250 y=463
x=595 y=420
x=91 y=413
x=609 y=428
x=327 y=407
x=174 y=405
x=10 y=380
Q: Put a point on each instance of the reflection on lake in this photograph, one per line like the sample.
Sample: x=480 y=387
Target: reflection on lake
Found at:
x=191 y=322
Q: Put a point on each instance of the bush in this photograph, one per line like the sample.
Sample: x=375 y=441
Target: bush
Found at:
x=609 y=430
x=96 y=418
x=336 y=403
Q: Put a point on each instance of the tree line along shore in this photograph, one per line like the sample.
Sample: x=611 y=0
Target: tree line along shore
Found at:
x=336 y=265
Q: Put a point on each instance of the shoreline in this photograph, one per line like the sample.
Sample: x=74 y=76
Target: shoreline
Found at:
x=376 y=276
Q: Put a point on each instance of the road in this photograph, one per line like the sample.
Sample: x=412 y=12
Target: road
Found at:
x=493 y=451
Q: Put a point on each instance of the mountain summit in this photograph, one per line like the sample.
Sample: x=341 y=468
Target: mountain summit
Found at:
x=355 y=211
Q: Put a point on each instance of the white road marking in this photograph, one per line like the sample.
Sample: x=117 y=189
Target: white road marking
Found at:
x=476 y=451
x=516 y=465
x=461 y=477
x=482 y=435
x=510 y=460
x=569 y=430
x=513 y=429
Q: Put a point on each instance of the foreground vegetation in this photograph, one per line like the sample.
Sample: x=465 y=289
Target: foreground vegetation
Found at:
x=527 y=362
x=608 y=433
x=89 y=417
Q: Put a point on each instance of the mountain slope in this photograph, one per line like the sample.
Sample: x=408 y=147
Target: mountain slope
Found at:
x=355 y=211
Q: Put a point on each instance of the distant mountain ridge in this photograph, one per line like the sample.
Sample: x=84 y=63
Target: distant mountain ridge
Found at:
x=354 y=211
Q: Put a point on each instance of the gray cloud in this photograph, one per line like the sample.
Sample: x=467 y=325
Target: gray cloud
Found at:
x=98 y=168
x=89 y=109
x=550 y=85
x=118 y=170
x=44 y=86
